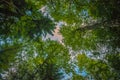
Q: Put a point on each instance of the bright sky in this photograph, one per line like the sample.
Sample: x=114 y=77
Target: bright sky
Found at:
x=56 y=35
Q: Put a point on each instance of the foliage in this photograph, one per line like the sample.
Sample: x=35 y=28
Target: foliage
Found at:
x=91 y=28
x=96 y=69
x=40 y=61
x=25 y=21
x=21 y=22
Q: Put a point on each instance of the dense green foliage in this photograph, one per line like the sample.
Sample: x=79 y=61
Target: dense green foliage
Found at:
x=20 y=22
x=40 y=61
x=23 y=19
x=91 y=30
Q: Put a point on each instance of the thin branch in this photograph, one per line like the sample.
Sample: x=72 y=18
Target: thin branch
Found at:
x=92 y=26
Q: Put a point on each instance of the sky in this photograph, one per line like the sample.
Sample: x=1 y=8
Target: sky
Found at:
x=56 y=35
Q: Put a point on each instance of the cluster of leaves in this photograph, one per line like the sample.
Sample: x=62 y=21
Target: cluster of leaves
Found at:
x=40 y=61
x=22 y=55
x=92 y=27
x=23 y=19
x=96 y=69
x=20 y=21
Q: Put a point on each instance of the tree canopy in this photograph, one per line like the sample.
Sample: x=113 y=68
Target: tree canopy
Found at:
x=90 y=31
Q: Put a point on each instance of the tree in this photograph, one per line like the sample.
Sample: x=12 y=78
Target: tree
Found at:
x=40 y=61
x=91 y=27
x=23 y=53
x=96 y=69
x=19 y=25
x=17 y=21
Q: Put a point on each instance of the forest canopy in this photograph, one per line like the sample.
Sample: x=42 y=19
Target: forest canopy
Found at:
x=90 y=48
